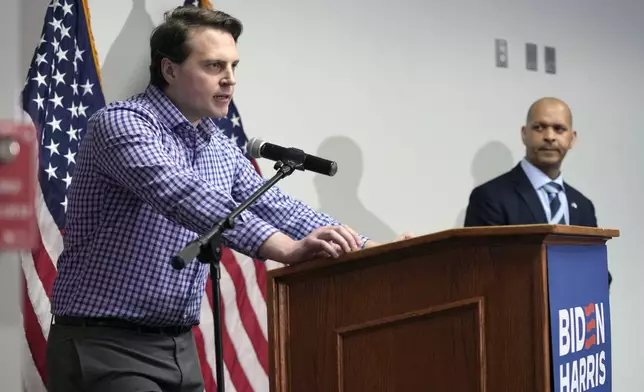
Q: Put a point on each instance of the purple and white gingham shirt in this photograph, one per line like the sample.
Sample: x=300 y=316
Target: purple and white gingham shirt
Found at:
x=146 y=183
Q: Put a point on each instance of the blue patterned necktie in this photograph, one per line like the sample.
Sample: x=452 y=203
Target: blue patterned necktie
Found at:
x=556 y=209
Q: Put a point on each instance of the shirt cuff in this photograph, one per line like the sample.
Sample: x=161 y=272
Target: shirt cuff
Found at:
x=249 y=233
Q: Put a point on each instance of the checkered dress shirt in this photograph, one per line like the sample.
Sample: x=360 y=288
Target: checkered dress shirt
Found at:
x=146 y=183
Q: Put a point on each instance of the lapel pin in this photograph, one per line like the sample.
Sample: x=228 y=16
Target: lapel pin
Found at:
x=573 y=204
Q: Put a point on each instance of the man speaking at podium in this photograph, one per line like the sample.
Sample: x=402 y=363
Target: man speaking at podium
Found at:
x=152 y=172
x=534 y=191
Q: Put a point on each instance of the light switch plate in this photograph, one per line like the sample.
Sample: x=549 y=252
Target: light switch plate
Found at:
x=501 y=53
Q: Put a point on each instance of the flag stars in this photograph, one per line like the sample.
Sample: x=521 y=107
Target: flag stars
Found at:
x=41 y=58
x=73 y=133
x=64 y=32
x=73 y=110
x=47 y=100
x=51 y=171
x=40 y=101
x=55 y=4
x=53 y=148
x=54 y=42
x=57 y=24
x=64 y=204
x=67 y=9
x=54 y=124
x=235 y=120
x=78 y=54
x=61 y=54
x=60 y=78
x=57 y=101
x=41 y=79
x=234 y=139
x=67 y=180
x=87 y=87
x=74 y=87
x=81 y=110
x=70 y=157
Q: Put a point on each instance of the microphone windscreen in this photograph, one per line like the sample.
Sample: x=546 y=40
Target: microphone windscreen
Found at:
x=254 y=147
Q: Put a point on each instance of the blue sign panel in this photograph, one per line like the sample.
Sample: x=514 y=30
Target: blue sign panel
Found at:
x=579 y=318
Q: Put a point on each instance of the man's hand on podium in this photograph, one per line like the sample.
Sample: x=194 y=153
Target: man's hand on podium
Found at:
x=404 y=236
x=326 y=241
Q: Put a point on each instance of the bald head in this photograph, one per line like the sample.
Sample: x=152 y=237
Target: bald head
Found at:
x=548 y=104
x=548 y=134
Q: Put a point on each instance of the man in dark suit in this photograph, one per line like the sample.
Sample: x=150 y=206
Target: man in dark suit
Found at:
x=534 y=191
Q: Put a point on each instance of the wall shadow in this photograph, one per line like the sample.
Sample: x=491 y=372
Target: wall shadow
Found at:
x=338 y=195
x=491 y=160
x=125 y=70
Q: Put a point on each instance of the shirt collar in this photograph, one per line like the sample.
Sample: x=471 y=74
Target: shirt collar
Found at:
x=169 y=114
x=538 y=178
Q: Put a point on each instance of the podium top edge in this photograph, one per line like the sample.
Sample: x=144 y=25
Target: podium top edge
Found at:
x=521 y=230
x=456 y=233
x=513 y=230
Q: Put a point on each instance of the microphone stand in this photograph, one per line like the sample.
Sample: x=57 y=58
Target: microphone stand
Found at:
x=207 y=248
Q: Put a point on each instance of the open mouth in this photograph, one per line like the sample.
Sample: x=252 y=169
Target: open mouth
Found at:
x=222 y=97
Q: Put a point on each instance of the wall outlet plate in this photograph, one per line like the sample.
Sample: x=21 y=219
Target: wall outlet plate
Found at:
x=501 y=53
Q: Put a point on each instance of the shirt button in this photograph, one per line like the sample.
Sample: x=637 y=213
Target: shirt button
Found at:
x=185 y=316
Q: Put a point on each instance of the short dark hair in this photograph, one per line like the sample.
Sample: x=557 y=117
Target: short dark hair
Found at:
x=169 y=39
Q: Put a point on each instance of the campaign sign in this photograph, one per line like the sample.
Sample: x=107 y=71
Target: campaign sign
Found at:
x=579 y=318
x=18 y=182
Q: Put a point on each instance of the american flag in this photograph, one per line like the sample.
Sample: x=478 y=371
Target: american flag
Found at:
x=62 y=89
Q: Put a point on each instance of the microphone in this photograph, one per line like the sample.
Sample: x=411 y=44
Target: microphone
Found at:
x=258 y=148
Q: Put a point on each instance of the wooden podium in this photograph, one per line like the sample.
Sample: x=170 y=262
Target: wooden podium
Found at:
x=459 y=310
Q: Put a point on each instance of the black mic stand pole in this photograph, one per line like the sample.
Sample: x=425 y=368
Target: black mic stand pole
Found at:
x=207 y=249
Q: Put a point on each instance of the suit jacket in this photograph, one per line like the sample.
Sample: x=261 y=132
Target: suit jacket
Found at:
x=510 y=199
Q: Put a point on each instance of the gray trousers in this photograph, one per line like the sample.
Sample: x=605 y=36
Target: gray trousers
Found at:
x=106 y=359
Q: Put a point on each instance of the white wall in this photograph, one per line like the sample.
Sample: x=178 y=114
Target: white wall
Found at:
x=406 y=97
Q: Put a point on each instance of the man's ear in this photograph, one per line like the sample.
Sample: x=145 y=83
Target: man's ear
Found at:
x=168 y=70
x=574 y=139
x=524 y=134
